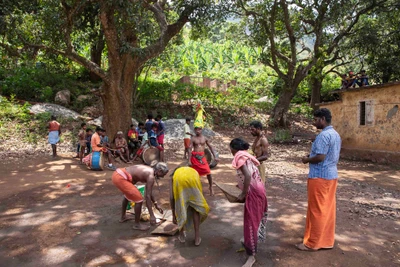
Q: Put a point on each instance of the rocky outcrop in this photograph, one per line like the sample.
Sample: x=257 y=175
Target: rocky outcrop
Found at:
x=174 y=129
x=63 y=97
x=54 y=109
x=92 y=111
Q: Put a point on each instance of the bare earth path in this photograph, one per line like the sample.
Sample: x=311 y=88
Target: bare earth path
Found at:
x=58 y=213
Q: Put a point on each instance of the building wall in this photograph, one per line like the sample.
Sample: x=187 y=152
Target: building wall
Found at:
x=382 y=129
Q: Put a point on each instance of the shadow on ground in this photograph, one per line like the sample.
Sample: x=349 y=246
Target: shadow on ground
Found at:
x=58 y=213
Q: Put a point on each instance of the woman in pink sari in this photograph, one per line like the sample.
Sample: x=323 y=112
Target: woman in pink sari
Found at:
x=253 y=196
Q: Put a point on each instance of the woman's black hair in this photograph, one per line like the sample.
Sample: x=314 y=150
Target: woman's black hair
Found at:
x=239 y=144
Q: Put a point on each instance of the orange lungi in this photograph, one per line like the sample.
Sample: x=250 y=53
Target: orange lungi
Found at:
x=321 y=213
x=123 y=181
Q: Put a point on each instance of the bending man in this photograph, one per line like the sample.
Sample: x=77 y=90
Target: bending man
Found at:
x=126 y=178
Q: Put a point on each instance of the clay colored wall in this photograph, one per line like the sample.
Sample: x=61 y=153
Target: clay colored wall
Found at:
x=382 y=132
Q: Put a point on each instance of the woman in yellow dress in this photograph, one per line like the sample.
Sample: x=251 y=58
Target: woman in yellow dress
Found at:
x=189 y=207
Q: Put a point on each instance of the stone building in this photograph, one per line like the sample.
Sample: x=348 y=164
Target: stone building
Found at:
x=368 y=120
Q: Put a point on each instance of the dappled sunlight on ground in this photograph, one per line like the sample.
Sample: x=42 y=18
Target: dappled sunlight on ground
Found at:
x=55 y=213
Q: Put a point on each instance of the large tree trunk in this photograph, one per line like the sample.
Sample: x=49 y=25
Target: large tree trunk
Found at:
x=117 y=113
x=117 y=97
x=279 y=113
x=316 y=85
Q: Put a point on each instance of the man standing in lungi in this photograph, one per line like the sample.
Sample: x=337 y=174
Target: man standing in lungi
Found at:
x=259 y=147
x=321 y=185
x=54 y=134
x=198 y=160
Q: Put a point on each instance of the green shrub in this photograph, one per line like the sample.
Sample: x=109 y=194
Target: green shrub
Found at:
x=11 y=110
x=281 y=135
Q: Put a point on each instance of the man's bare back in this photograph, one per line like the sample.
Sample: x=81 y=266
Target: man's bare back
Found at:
x=141 y=173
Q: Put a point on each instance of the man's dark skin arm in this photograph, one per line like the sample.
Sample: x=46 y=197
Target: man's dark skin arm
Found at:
x=150 y=200
x=212 y=151
x=314 y=160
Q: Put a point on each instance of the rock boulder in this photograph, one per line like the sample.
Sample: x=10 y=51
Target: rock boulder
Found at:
x=63 y=97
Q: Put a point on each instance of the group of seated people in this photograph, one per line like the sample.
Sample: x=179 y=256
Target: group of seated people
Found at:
x=149 y=134
x=351 y=80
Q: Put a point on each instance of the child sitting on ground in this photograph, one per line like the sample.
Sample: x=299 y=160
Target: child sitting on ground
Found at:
x=144 y=145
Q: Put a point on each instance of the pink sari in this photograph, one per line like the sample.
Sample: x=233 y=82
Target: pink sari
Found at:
x=256 y=206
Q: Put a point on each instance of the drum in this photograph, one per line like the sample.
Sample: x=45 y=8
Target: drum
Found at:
x=97 y=162
x=210 y=158
x=149 y=154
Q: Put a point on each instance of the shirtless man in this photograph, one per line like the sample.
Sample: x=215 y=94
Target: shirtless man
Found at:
x=125 y=179
x=260 y=146
x=198 y=160
x=54 y=134
x=121 y=147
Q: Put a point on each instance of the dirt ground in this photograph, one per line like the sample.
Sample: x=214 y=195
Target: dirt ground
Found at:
x=58 y=213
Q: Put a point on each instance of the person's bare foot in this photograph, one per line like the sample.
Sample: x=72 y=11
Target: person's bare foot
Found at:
x=197 y=242
x=125 y=219
x=141 y=227
x=211 y=190
x=250 y=261
x=303 y=247
x=182 y=237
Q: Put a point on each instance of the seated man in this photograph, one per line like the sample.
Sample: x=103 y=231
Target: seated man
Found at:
x=362 y=79
x=351 y=80
x=144 y=145
x=153 y=140
x=133 y=141
x=99 y=144
x=121 y=146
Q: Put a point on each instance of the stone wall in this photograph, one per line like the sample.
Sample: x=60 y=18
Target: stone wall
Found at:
x=381 y=118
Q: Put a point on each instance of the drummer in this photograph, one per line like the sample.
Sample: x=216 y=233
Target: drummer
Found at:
x=153 y=140
x=143 y=146
x=125 y=178
x=98 y=147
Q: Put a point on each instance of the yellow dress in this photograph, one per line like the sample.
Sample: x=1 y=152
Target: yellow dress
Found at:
x=188 y=192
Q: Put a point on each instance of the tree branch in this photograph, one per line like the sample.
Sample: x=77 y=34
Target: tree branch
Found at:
x=171 y=30
x=158 y=14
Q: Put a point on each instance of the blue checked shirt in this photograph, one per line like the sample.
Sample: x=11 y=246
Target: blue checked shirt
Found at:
x=328 y=143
